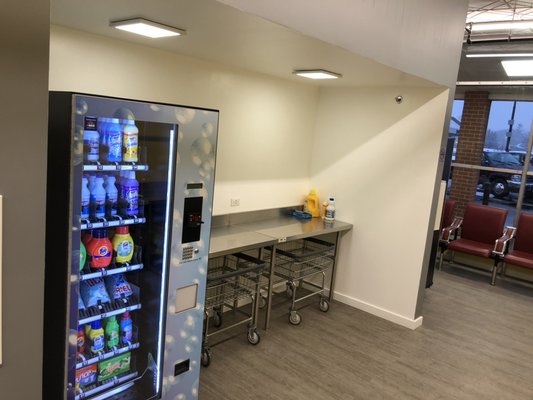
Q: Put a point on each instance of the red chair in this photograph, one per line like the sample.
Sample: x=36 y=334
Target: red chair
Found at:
x=481 y=227
x=521 y=254
x=448 y=211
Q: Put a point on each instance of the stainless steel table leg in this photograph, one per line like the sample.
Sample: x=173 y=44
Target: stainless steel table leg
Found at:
x=270 y=284
x=255 y=304
x=333 y=267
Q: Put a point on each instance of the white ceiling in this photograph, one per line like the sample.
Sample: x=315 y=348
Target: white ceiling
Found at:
x=222 y=34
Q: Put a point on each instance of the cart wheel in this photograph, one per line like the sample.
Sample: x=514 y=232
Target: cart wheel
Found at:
x=295 y=318
x=289 y=290
x=253 y=337
x=217 y=319
x=206 y=357
x=262 y=301
x=324 y=305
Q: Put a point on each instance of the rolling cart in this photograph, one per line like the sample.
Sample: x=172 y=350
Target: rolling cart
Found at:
x=229 y=279
x=298 y=262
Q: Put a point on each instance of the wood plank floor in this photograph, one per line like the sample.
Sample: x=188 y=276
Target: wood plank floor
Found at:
x=476 y=343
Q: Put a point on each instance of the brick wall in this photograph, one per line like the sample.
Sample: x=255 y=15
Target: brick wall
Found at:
x=470 y=148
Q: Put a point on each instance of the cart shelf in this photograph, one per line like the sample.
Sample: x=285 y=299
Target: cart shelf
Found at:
x=232 y=278
x=302 y=258
x=229 y=279
x=296 y=263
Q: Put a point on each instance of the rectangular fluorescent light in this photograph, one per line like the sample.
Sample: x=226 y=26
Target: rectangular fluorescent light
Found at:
x=316 y=74
x=499 y=55
x=518 y=67
x=494 y=83
x=501 y=26
x=144 y=27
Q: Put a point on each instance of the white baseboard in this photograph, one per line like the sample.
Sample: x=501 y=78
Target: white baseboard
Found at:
x=378 y=311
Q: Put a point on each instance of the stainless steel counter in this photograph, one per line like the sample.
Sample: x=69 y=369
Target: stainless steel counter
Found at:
x=233 y=238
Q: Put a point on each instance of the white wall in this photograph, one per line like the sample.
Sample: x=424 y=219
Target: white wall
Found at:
x=420 y=37
x=379 y=159
x=265 y=126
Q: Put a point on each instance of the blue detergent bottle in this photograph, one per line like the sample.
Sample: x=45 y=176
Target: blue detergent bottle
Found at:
x=114 y=140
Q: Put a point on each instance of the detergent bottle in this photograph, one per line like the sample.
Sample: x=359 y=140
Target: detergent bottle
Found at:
x=96 y=335
x=85 y=198
x=91 y=139
x=123 y=244
x=323 y=210
x=126 y=328
x=129 y=193
x=81 y=340
x=98 y=196
x=111 y=196
x=330 y=210
x=130 y=142
x=111 y=332
x=312 y=204
x=100 y=249
x=83 y=255
x=114 y=140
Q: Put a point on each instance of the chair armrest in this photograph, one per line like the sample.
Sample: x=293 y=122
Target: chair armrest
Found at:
x=446 y=232
x=501 y=244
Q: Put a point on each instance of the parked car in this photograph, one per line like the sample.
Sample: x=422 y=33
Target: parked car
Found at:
x=516 y=179
x=499 y=181
x=514 y=185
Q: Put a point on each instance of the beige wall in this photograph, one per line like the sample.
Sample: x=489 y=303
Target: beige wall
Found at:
x=266 y=124
x=23 y=139
x=379 y=159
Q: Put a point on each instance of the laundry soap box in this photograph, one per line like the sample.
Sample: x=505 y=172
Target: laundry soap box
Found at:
x=114 y=366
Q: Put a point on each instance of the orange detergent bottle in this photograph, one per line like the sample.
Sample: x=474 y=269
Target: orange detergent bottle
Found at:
x=100 y=249
x=311 y=201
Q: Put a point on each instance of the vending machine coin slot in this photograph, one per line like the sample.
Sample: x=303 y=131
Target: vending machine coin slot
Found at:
x=192 y=219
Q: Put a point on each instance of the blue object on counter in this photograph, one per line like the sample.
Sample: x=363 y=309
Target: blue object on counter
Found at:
x=301 y=214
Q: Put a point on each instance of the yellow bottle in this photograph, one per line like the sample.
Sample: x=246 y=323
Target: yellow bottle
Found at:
x=323 y=211
x=311 y=201
x=123 y=245
x=96 y=335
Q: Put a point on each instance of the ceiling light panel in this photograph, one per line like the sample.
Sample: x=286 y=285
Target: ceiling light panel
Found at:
x=144 y=27
x=317 y=74
x=499 y=55
x=518 y=67
x=501 y=26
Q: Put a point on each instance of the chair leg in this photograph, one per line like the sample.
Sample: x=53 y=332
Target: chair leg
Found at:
x=494 y=271
x=440 y=260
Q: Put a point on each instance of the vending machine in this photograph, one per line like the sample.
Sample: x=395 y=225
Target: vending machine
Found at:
x=129 y=200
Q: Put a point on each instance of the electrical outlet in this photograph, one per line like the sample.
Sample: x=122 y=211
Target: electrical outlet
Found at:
x=236 y=202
